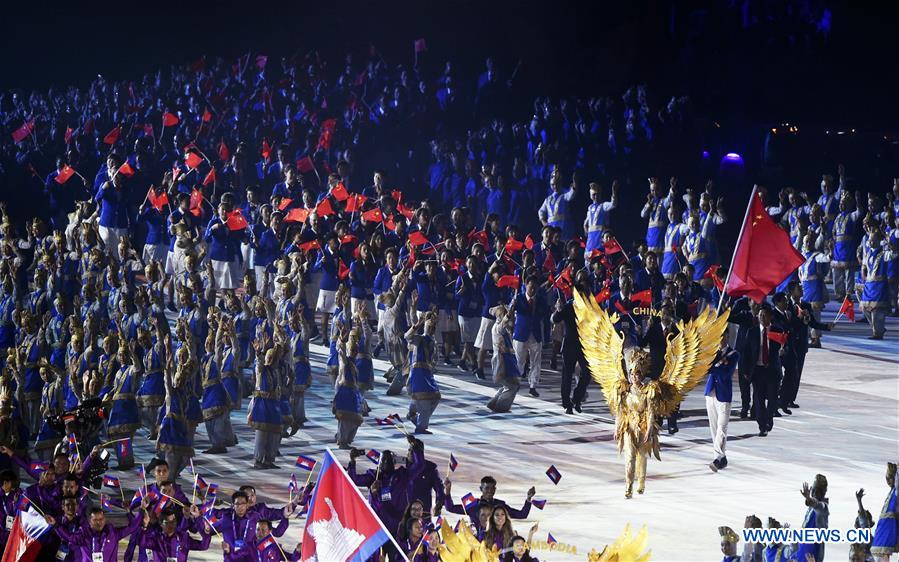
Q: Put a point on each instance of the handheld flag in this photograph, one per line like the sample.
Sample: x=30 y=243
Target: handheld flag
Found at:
x=554 y=474
x=266 y=150
x=64 y=175
x=373 y=215
x=157 y=201
x=529 y=242
x=539 y=504
x=207 y=115
x=513 y=245
x=210 y=177
x=265 y=543
x=764 y=255
x=354 y=203
x=23 y=503
x=550 y=539
x=236 y=221
x=196 y=202
x=169 y=119
x=38 y=466
x=643 y=297
x=126 y=170
x=453 y=463
x=341 y=526
x=306 y=463
x=112 y=136
x=342 y=270
x=374 y=455
x=297 y=214
x=779 y=337
x=224 y=152
x=124 y=447
x=305 y=165
x=468 y=499
x=847 y=309
x=26 y=537
x=611 y=246
x=193 y=160
x=311 y=245
x=339 y=192
x=418 y=239
x=511 y=281
x=603 y=295
x=201 y=484
x=111 y=481
x=712 y=273
x=68 y=135
x=323 y=209
x=22 y=132
x=284 y=203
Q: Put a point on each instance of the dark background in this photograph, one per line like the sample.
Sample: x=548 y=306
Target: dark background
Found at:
x=735 y=74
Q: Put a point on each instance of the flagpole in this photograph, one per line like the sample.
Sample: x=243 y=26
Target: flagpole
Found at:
x=739 y=238
x=366 y=504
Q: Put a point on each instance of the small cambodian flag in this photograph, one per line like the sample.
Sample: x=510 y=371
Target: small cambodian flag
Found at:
x=73 y=443
x=550 y=539
x=306 y=463
x=104 y=501
x=212 y=519
x=111 y=481
x=554 y=474
x=293 y=484
x=201 y=484
x=141 y=473
x=539 y=504
x=23 y=504
x=124 y=448
x=468 y=499
x=268 y=541
x=212 y=490
x=38 y=466
x=161 y=505
x=453 y=463
x=374 y=455
x=438 y=523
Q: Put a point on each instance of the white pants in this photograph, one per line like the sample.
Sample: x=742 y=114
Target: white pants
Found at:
x=719 y=415
x=110 y=238
x=533 y=349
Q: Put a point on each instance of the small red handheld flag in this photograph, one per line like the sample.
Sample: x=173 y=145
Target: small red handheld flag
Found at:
x=210 y=177
x=354 y=202
x=224 y=153
x=418 y=239
x=529 y=242
x=324 y=208
x=112 y=136
x=712 y=273
x=126 y=170
x=339 y=192
x=157 y=201
x=169 y=119
x=779 y=337
x=68 y=135
x=311 y=245
x=848 y=309
x=196 y=202
x=513 y=245
x=374 y=215
x=284 y=203
x=643 y=297
x=22 y=132
x=611 y=246
x=236 y=221
x=64 y=174
x=193 y=160
x=207 y=115
x=511 y=281
x=305 y=165
x=266 y=149
x=297 y=215
x=603 y=295
x=342 y=270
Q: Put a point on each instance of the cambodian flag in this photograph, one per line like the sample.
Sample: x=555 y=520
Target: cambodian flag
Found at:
x=124 y=448
x=306 y=463
x=374 y=456
x=107 y=505
x=23 y=503
x=201 y=484
x=293 y=484
x=112 y=482
x=554 y=474
x=38 y=466
x=73 y=443
x=265 y=543
x=212 y=490
x=550 y=539
x=468 y=499
x=341 y=526
x=161 y=505
x=453 y=463
x=539 y=504
x=26 y=537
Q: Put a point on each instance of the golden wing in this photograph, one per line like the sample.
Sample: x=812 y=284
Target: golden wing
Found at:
x=454 y=547
x=626 y=548
x=602 y=348
x=687 y=359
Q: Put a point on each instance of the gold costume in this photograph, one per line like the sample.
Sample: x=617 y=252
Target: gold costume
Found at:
x=636 y=404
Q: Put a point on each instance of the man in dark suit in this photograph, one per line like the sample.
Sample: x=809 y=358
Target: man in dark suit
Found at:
x=572 y=352
x=803 y=319
x=527 y=337
x=744 y=314
x=766 y=375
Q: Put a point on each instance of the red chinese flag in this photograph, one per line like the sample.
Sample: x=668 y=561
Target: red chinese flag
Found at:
x=169 y=119
x=342 y=271
x=126 y=170
x=22 y=132
x=224 y=153
x=405 y=211
x=390 y=225
x=354 y=202
x=157 y=201
x=779 y=337
x=712 y=273
x=236 y=221
x=478 y=236
x=643 y=297
x=764 y=256
x=603 y=295
x=529 y=242
x=373 y=215
x=112 y=136
x=176 y=173
x=210 y=177
x=68 y=135
x=848 y=309
x=297 y=215
x=196 y=202
x=397 y=195
x=349 y=239
x=549 y=264
x=513 y=245
x=284 y=203
x=323 y=209
x=207 y=115
x=595 y=253
x=510 y=281
x=417 y=238
x=305 y=165
x=420 y=45
x=64 y=174
x=339 y=192
x=193 y=160
x=266 y=149
x=311 y=245
x=611 y=246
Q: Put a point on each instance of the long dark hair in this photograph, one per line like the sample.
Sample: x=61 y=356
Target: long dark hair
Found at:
x=401 y=532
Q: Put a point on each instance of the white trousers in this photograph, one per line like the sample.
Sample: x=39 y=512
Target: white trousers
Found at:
x=719 y=415
x=529 y=349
